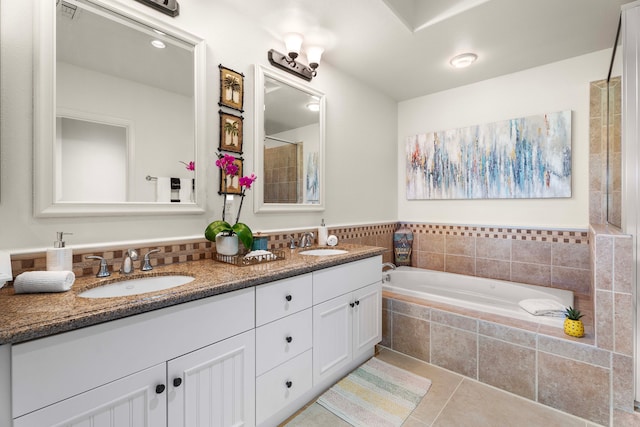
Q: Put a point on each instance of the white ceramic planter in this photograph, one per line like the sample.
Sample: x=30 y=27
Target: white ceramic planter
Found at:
x=227 y=245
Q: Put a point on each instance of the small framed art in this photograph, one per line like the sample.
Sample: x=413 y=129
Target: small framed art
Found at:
x=231 y=88
x=230 y=132
x=230 y=184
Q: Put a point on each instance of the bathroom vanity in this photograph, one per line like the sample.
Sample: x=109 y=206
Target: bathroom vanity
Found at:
x=251 y=354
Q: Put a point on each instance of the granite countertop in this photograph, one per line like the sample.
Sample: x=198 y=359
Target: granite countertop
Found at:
x=25 y=317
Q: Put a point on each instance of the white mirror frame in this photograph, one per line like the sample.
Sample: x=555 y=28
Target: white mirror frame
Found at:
x=258 y=195
x=44 y=121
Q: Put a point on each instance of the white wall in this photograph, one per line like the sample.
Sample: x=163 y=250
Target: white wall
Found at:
x=558 y=86
x=361 y=124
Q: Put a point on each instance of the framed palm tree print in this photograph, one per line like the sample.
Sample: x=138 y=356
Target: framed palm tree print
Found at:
x=230 y=132
x=231 y=88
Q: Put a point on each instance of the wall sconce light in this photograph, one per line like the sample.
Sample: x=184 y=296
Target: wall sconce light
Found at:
x=293 y=45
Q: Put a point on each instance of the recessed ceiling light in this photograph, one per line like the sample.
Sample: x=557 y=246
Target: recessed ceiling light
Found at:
x=158 y=44
x=463 y=60
x=313 y=106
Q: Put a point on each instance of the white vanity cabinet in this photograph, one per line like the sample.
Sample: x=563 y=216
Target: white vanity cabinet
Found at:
x=347 y=315
x=283 y=344
x=142 y=369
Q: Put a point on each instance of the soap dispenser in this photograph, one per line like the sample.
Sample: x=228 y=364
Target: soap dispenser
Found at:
x=59 y=258
x=322 y=234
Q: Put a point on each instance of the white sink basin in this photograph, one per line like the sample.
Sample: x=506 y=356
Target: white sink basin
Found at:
x=323 y=252
x=136 y=286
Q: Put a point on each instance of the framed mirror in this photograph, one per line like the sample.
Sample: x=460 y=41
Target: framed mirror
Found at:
x=289 y=144
x=118 y=112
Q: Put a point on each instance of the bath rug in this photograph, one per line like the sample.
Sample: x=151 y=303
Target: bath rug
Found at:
x=376 y=394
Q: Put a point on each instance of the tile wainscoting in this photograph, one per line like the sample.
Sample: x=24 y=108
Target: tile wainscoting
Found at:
x=587 y=377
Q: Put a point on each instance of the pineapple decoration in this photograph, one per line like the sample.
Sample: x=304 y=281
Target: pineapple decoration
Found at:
x=573 y=326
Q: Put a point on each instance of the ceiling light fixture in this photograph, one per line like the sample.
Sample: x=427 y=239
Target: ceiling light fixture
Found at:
x=159 y=44
x=293 y=46
x=463 y=60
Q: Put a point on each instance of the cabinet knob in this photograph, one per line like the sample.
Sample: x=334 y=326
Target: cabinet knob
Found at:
x=289 y=339
x=352 y=304
x=288 y=384
x=288 y=297
x=160 y=388
x=357 y=302
x=177 y=382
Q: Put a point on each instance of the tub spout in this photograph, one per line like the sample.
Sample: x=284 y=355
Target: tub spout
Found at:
x=389 y=265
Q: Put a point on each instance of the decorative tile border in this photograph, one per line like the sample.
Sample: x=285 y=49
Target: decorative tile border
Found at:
x=562 y=236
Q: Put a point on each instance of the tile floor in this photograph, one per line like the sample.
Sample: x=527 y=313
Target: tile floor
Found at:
x=455 y=400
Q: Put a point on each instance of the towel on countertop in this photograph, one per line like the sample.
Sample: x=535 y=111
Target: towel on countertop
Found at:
x=43 y=281
x=163 y=189
x=260 y=255
x=543 y=307
x=186 y=189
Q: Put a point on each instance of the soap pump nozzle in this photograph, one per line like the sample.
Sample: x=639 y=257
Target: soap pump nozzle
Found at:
x=59 y=243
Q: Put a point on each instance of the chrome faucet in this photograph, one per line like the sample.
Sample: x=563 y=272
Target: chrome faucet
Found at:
x=104 y=269
x=127 y=262
x=146 y=263
x=306 y=240
x=389 y=265
x=292 y=242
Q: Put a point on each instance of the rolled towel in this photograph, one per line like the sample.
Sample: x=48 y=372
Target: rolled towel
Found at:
x=543 y=307
x=43 y=281
x=163 y=189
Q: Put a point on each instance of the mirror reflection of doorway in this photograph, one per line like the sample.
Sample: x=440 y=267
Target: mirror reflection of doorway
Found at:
x=283 y=171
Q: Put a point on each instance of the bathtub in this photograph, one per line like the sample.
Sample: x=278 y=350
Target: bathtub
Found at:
x=487 y=295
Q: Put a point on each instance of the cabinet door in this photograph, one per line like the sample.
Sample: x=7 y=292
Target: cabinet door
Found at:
x=132 y=401
x=332 y=336
x=367 y=321
x=214 y=386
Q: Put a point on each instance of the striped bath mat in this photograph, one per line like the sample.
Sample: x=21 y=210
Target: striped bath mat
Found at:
x=376 y=394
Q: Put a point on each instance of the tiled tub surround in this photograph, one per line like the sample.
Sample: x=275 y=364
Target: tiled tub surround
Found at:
x=552 y=258
x=521 y=357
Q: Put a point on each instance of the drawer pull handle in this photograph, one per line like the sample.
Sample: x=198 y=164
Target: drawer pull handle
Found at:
x=289 y=339
x=160 y=388
x=352 y=304
x=288 y=297
x=177 y=382
x=288 y=384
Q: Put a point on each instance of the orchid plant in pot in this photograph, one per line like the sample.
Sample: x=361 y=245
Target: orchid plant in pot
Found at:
x=217 y=231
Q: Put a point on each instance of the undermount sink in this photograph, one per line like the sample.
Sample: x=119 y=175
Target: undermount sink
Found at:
x=140 y=285
x=323 y=252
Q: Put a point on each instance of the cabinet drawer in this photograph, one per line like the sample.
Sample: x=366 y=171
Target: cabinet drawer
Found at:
x=283 y=385
x=283 y=339
x=279 y=299
x=335 y=281
x=85 y=358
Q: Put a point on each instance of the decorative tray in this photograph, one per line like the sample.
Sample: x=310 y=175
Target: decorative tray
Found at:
x=241 y=261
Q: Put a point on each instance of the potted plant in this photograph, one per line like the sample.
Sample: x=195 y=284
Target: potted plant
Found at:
x=573 y=326
x=221 y=232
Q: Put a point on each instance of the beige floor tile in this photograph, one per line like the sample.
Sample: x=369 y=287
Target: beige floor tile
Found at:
x=316 y=416
x=478 y=405
x=443 y=384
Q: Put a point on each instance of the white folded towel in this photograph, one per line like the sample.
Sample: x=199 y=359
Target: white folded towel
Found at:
x=543 y=307
x=260 y=255
x=43 y=281
x=185 y=190
x=163 y=189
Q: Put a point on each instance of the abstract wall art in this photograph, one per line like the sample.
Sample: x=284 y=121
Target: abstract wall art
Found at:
x=527 y=157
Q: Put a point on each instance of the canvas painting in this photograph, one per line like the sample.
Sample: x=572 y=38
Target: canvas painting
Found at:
x=527 y=157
